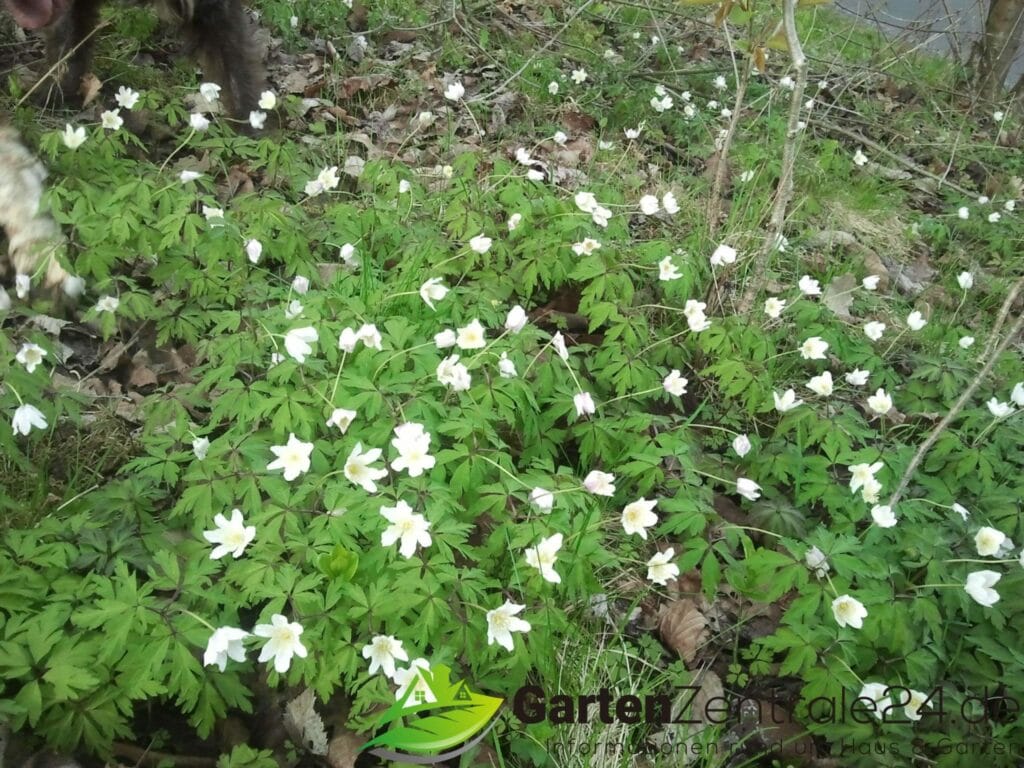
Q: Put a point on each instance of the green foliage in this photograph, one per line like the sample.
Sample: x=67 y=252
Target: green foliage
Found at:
x=108 y=591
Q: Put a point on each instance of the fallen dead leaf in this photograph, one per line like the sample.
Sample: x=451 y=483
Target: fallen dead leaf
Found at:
x=343 y=750
x=350 y=86
x=838 y=295
x=683 y=628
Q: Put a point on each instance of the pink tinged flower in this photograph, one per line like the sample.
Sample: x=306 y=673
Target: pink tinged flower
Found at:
x=293 y=457
x=26 y=417
x=980 y=585
x=413 y=446
x=358 y=470
x=741 y=444
x=883 y=516
x=225 y=643
x=723 y=255
x=471 y=336
x=660 y=567
x=383 y=651
x=502 y=622
x=231 y=536
x=748 y=489
x=282 y=642
x=638 y=516
x=584 y=403
x=787 y=401
x=814 y=348
x=30 y=355
x=543 y=557
x=543 y=499
x=600 y=483
x=849 y=612
x=298 y=342
x=516 y=319
x=409 y=527
x=675 y=383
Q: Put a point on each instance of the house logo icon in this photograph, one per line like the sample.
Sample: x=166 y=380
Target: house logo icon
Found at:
x=435 y=719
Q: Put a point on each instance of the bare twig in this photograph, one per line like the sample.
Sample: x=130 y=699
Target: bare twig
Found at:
x=908 y=164
x=784 y=191
x=1015 y=329
x=715 y=203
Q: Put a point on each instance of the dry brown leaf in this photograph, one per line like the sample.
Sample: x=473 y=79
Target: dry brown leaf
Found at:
x=89 y=88
x=304 y=725
x=683 y=628
x=343 y=751
x=838 y=295
x=350 y=86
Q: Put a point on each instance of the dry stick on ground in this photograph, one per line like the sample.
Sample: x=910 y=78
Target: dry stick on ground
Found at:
x=1015 y=329
x=910 y=165
x=784 y=192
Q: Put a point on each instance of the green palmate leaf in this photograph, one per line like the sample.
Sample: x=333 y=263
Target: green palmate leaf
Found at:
x=456 y=714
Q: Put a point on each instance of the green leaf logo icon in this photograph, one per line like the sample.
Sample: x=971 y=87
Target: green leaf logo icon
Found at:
x=436 y=719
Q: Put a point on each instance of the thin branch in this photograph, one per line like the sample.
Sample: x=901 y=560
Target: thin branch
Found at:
x=1018 y=325
x=784 y=191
